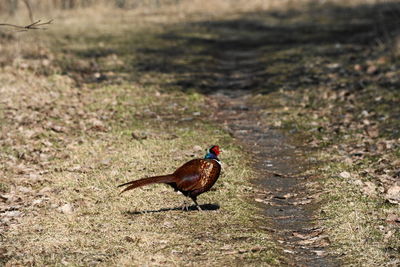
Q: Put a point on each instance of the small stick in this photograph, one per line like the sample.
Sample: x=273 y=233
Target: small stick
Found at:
x=33 y=26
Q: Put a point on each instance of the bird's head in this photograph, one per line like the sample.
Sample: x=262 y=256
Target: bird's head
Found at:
x=213 y=152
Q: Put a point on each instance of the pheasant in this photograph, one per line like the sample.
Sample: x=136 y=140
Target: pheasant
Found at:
x=191 y=179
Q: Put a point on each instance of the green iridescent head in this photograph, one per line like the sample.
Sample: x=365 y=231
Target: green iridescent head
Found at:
x=213 y=152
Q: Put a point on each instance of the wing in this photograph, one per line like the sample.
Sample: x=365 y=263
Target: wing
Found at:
x=197 y=174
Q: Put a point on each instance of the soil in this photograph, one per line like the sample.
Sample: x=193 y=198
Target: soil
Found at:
x=288 y=204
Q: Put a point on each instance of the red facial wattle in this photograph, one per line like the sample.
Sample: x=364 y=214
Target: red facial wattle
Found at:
x=216 y=150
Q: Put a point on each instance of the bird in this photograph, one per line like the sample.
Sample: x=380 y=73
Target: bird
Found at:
x=193 y=178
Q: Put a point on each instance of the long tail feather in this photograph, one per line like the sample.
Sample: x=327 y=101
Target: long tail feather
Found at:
x=146 y=181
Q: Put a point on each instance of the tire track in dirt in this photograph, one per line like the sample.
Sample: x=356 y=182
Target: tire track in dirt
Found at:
x=288 y=204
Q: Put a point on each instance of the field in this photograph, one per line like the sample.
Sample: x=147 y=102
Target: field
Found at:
x=106 y=95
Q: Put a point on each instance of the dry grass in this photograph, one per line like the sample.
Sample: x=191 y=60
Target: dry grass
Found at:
x=67 y=143
x=70 y=209
x=353 y=127
x=102 y=227
x=356 y=166
x=358 y=223
x=363 y=226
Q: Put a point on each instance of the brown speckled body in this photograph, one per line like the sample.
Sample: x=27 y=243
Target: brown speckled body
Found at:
x=196 y=176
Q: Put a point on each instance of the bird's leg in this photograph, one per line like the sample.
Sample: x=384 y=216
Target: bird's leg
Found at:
x=197 y=205
x=185 y=206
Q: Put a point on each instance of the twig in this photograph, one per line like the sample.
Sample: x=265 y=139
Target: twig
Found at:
x=33 y=26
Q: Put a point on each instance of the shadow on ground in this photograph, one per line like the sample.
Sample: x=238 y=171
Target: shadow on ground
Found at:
x=204 y=207
x=265 y=51
x=257 y=52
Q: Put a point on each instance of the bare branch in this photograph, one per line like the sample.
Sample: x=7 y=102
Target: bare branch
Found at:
x=33 y=26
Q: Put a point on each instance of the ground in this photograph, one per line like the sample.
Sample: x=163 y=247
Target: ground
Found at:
x=302 y=99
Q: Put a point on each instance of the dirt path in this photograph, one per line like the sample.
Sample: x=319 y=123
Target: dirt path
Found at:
x=287 y=203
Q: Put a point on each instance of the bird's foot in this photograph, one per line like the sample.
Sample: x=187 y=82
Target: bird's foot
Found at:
x=197 y=204
x=185 y=206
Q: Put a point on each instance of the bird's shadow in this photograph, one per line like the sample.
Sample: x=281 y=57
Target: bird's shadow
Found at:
x=204 y=207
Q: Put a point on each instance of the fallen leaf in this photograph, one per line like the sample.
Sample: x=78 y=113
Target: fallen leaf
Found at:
x=57 y=128
x=197 y=148
x=277 y=123
x=12 y=213
x=388 y=235
x=372 y=131
x=45 y=191
x=320 y=252
x=226 y=247
x=393 y=194
x=66 y=208
x=357 y=67
x=372 y=69
x=24 y=189
x=105 y=162
x=393 y=218
x=345 y=175
x=3 y=197
x=302 y=202
x=97 y=125
x=281 y=196
x=139 y=136
x=289 y=195
x=315 y=232
x=37 y=201
x=369 y=189
x=333 y=66
x=288 y=251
